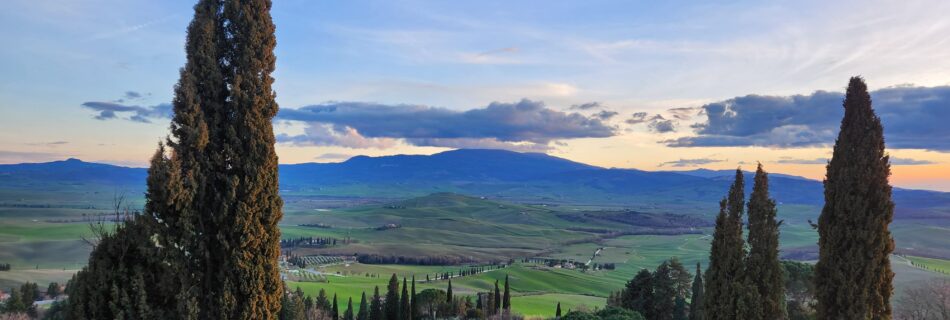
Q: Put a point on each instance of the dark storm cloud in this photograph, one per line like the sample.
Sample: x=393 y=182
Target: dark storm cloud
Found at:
x=526 y=121
x=913 y=118
x=112 y=110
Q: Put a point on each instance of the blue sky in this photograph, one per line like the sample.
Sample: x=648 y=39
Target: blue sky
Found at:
x=653 y=73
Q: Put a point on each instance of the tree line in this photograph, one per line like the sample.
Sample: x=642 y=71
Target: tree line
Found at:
x=398 y=303
x=372 y=258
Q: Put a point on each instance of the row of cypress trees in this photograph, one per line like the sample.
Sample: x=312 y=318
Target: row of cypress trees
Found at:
x=853 y=277
x=207 y=243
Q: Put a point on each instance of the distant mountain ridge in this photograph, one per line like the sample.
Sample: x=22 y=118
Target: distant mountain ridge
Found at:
x=496 y=173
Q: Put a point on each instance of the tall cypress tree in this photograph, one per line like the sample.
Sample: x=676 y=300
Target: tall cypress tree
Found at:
x=404 y=306
x=363 y=314
x=348 y=314
x=412 y=300
x=497 y=305
x=557 y=312
x=391 y=311
x=506 y=299
x=213 y=201
x=376 y=306
x=335 y=314
x=448 y=293
x=696 y=302
x=763 y=268
x=245 y=240
x=853 y=275
x=724 y=282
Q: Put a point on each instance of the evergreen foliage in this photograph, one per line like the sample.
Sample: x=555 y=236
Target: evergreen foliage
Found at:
x=404 y=303
x=638 y=294
x=348 y=314
x=853 y=275
x=207 y=243
x=724 y=281
x=506 y=299
x=335 y=313
x=696 y=302
x=762 y=267
x=376 y=306
x=364 y=309
x=391 y=309
x=412 y=301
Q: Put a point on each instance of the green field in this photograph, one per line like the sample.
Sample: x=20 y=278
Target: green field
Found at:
x=44 y=245
x=939 y=265
x=533 y=287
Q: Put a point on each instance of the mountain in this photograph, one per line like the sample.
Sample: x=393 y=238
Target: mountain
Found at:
x=524 y=177
x=457 y=165
x=70 y=171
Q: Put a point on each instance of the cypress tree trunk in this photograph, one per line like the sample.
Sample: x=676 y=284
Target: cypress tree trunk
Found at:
x=853 y=275
x=724 y=283
x=763 y=268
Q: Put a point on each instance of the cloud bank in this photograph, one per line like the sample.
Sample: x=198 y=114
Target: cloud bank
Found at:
x=913 y=118
x=525 y=125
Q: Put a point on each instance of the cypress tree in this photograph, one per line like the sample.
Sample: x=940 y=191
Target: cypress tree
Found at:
x=335 y=314
x=364 y=309
x=412 y=300
x=506 y=304
x=246 y=240
x=376 y=306
x=448 y=293
x=391 y=310
x=696 y=302
x=348 y=314
x=557 y=313
x=763 y=268
x=212 y=203
x=404 y=305
x=853 y=275
x=497 y=305
x=724 y=282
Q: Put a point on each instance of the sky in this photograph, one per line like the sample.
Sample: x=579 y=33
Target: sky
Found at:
x=676 y=85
